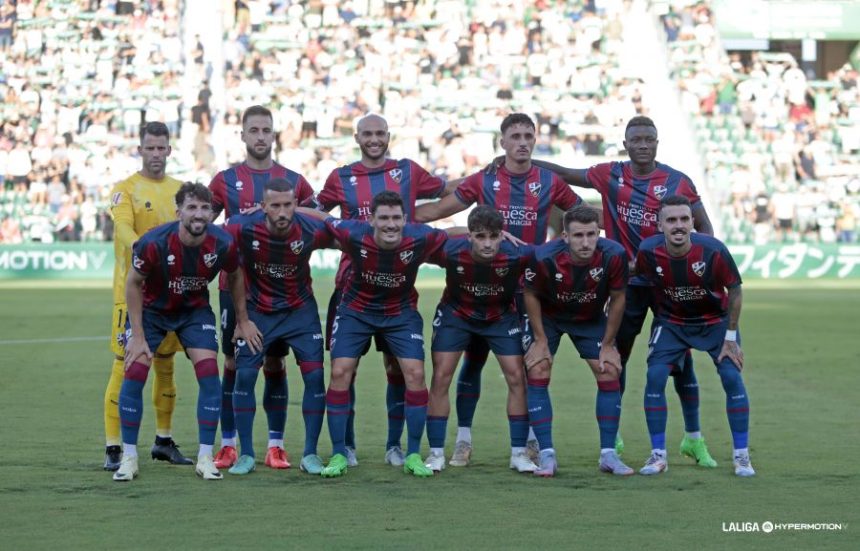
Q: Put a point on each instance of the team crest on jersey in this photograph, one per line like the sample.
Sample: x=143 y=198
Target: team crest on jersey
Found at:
x=297 y=246
x=502 y=272
x=699 y=268
x=115 y=199
x=534 y=188
x=406 y=256
x=395 y=174
x=209 y=259
x=138 y=262
x=530 y=274
x=596 y=274
x=660 y=191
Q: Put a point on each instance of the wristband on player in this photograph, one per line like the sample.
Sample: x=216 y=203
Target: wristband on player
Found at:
x=732 y=336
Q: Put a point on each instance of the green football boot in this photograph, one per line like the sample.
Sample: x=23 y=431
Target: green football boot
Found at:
x=696 y=449
x=415 y=465
x=336 y=466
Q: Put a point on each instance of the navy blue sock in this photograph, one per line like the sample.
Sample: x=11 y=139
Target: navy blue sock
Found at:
x=737 y=403
x=655 y=404
x=540 y=411
x=337 y=412
x=275 y=397
x=131 y=401
x=518 y=426
x=416 y=418
x=395 y=401
x=469 y=385
x=350 y=421
x=608 y=412
x=245 y=407
x=313 y=403
x=687 y=388
x=228 y=421
x=209 y=398
x=436 y=428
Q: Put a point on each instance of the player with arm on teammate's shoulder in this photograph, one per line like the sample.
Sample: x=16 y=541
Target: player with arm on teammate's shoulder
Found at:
x=139 y=203
x=631 y=192
x=569 y=283
x=352 y=188
x=482 y=274
x=525 y=195
x=167 y=290
x=275 y=244
x=236 y=190
x=699 y=298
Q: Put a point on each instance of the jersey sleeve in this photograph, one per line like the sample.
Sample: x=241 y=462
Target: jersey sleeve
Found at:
x=322 y=237
x=427 y=186
x=122 y=212
x=469 y=190
x=688 y=190
x=340 y=229
x=643 y=266
x=598 y=176
x=145 y=257
x=231 y=259
x=304 y=193
x=562 y=196
x=439 y=257
x=219 y=192
x=434 y=242
x=532 y=276
x=725 y=272
x=618 y=271
x=331 y=194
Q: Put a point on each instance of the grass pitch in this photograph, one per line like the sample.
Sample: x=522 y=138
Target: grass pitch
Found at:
x=801 y=348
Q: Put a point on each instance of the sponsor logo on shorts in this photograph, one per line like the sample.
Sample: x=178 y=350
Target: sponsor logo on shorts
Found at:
x=209 y=259
x=317 y=336
x=138 y=262
x=207 y=327
x=514 y=331
x=416 y=337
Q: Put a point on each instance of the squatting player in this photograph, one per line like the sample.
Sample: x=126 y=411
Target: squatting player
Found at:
x=482 y=274
x=237 y=190
x=567 y=288
x=167 y=291
x=276 y=245
x=524 y=194
x=631 y=193
x=139 y=203
x=698 y=296
x=352 y=188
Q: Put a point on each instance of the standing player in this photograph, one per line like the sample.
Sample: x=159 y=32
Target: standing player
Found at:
x=139 y=203
x=235 y=191
x=482 y=274
x=352 y=188
x=698 y=296
x=276 y=244
x=379 y=297
x=167 y=291
x=567 y=288
x=631 y=193
x=524 y=194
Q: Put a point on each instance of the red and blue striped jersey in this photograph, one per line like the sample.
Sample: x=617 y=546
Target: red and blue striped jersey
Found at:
x=631 y=202
x=691 y=290
x=241 y=187
x=352 y=188
x=573 y=292
x=176 y=276
x=525 y=201
x=277 y=269
x=480 y=291
x=382 y=281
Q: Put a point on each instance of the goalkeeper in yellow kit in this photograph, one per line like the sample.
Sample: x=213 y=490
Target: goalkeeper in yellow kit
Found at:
x=138 y=203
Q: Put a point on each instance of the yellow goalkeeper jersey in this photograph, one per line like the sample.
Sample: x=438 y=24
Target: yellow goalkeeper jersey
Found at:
x=138 y=204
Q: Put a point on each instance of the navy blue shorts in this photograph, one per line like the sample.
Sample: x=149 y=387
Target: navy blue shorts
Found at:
x=586 y=337
x=195 y=328
x=228 y=327
x=638 y=300
x=451 y=333
x=300 y=329
x=351 y=333
x=333 y=303
x=670 y=342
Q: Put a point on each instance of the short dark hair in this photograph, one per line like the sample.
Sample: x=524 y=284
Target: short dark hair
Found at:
x=583 y=214
x=279 y=185
x=640 y=120
x=256 y=110
x=516 y=118
x=154 y=128
x=675 y=201
x=386 y=198
x=195 y=190
x=485 y=218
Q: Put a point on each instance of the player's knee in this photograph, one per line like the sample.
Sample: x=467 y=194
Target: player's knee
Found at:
x=273 y=364
x=656 y=377
x=413 y=376
x=230 y=363
x=540 y=371
x=730 y=376
x=245 y=380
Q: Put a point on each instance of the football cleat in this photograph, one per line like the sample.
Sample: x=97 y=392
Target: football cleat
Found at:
x=611 y=463
x=548 y=465
x=311 y=464
x=277 y=458
x=113 y=456
x=226 y=457
x=414 y=465
x=394 y=456
x=521 y=463
x=743 y=467
x=462 y=454
x=206 y=468
x=245 y=465
x=127 y=470
x=655 y=464
x=435 y=463
x=169 y=451
x=336 y=466
x=351 y=458
x=696 y=449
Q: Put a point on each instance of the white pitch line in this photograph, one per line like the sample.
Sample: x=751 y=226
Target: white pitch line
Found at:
x=51 y=341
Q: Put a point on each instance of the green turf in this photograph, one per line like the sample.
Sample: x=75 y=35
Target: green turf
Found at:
x=801 y=351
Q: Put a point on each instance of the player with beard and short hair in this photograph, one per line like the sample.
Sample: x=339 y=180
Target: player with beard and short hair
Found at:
x=239 y=190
